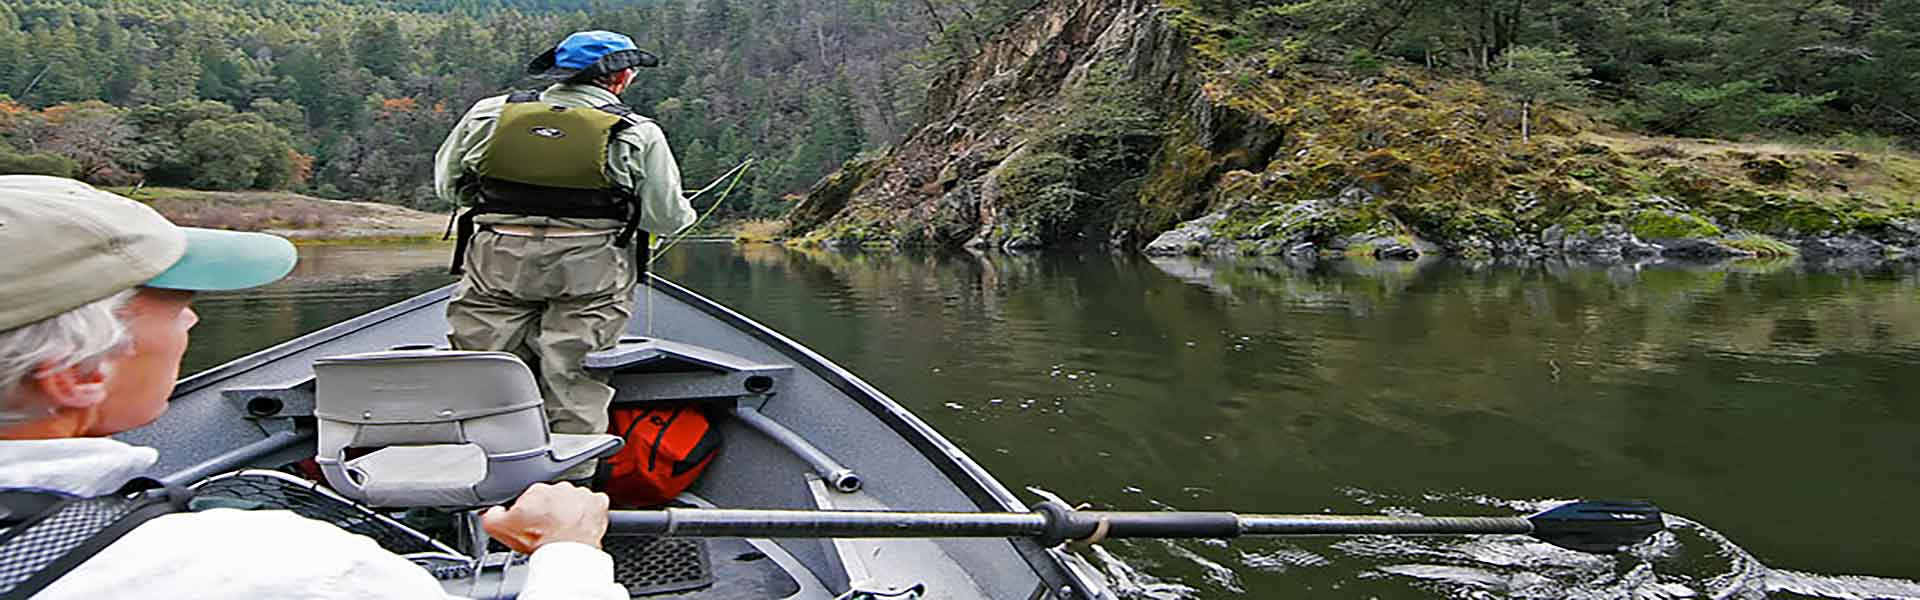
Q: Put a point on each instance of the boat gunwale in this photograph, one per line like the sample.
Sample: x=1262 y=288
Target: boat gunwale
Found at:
x=206 y=378
x=955 y=463
x=973 y=480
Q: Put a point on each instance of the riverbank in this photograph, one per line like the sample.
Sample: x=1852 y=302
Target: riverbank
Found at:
x=1594 y=192
x=1142 y=130
x=305 y=219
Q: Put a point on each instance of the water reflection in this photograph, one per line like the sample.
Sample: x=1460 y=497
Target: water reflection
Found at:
x=1762 y=399
x=1770 y=402
x=331 y=283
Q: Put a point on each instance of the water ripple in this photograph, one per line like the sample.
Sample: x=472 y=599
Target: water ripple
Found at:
x=1689 y=560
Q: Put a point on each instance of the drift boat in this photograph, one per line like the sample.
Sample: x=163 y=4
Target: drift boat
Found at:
x=803 y=434
x=824 y=489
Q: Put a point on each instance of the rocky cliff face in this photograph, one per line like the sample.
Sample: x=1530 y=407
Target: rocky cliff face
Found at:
x=1127 y=123
x=1041 y=139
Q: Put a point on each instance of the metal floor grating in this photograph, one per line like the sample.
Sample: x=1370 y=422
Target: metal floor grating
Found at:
x=649 y=565
x=272 y=490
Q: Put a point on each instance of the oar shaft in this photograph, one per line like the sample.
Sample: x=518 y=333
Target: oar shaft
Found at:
x=1379 y=525
x=698 y=522
x=1599 y=527
x=694 y=522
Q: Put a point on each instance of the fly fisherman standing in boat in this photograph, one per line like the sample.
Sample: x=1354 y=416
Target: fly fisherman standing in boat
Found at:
x=561 y=183
x=94 y=316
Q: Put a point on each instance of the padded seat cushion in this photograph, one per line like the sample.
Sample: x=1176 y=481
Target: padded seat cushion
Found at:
x=451 y=428
x=439 y=475
x=421 y=386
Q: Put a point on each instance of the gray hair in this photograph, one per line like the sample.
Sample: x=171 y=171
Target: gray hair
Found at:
x=82 y=337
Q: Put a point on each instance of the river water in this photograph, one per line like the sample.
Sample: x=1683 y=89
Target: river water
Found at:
x=1771 y=408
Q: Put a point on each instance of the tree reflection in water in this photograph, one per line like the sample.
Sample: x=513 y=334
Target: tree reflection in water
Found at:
x=1770 y=402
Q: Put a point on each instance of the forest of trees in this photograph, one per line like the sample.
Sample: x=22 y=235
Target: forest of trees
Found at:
x=350 y=98
x=1677 y=67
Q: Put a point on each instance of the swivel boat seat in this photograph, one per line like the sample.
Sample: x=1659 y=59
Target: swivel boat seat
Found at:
x=438 y=428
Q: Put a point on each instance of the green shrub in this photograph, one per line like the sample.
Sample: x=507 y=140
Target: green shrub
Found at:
x=1242 y=45
x=1724 y=110
x=238 y=153
x=1761 y=245
x=1363 y=63
x=36 y=164
x=1040 y=187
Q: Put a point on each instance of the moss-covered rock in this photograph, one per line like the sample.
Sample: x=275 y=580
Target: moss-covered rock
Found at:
x=1768 y=171
x=1458 y=228
x=1668 y=225
x=1795 y=216
x=830 y=196
x=1190 y=238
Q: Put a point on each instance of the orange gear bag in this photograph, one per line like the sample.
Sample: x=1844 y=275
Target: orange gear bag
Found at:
x=667 y=449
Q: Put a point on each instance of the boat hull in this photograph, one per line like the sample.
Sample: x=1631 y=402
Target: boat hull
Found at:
x=904 y=464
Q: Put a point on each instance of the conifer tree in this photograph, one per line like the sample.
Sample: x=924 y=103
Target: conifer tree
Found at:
x=1535 y=75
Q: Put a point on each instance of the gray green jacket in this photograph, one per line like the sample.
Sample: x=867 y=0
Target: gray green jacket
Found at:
x=638 y=159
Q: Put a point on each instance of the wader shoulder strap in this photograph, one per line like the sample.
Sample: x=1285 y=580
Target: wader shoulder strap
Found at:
x=644 y=253
x=461 y=238
x=628 y=117
x=522 y=96
x=39 y=549
x=618 y=110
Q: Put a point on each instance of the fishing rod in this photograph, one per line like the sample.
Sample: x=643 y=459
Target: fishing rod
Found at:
x=1595 y=527
x=732 y=177
x=723 y=177
x=735 y=173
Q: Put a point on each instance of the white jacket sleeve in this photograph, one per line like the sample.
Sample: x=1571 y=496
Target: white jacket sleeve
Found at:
x=569 y=570
x=221 y=554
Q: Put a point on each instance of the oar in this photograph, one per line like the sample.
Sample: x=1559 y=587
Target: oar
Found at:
x=1597 y=527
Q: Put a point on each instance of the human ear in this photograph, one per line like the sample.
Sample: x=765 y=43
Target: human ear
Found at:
x=71 y=387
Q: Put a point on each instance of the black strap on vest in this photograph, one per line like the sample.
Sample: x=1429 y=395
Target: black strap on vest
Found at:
x=49 y=535
x=625 y=204
x=522 y=96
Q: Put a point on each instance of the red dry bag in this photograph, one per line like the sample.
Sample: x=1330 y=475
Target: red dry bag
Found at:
x=667 y=449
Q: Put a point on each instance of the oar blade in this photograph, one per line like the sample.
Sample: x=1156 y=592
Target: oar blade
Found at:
x=1599 y=527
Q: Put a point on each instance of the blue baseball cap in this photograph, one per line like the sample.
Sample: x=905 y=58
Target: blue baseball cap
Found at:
x=589 y=54
x=68 y=244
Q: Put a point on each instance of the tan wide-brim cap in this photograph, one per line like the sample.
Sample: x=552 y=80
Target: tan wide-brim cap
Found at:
x=64 y=244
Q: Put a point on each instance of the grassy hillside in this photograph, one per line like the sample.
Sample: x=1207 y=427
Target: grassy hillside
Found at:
x=1143 y=125
x=1440 y=158
x=303 y=218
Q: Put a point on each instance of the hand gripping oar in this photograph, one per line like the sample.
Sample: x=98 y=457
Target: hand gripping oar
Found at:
x=1597 y=527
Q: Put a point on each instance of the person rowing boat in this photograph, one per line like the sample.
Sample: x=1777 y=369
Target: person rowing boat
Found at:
x=95 y=310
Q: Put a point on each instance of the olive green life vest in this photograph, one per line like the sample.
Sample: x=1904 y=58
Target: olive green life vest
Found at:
x=549 y=161
x=545 y=145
